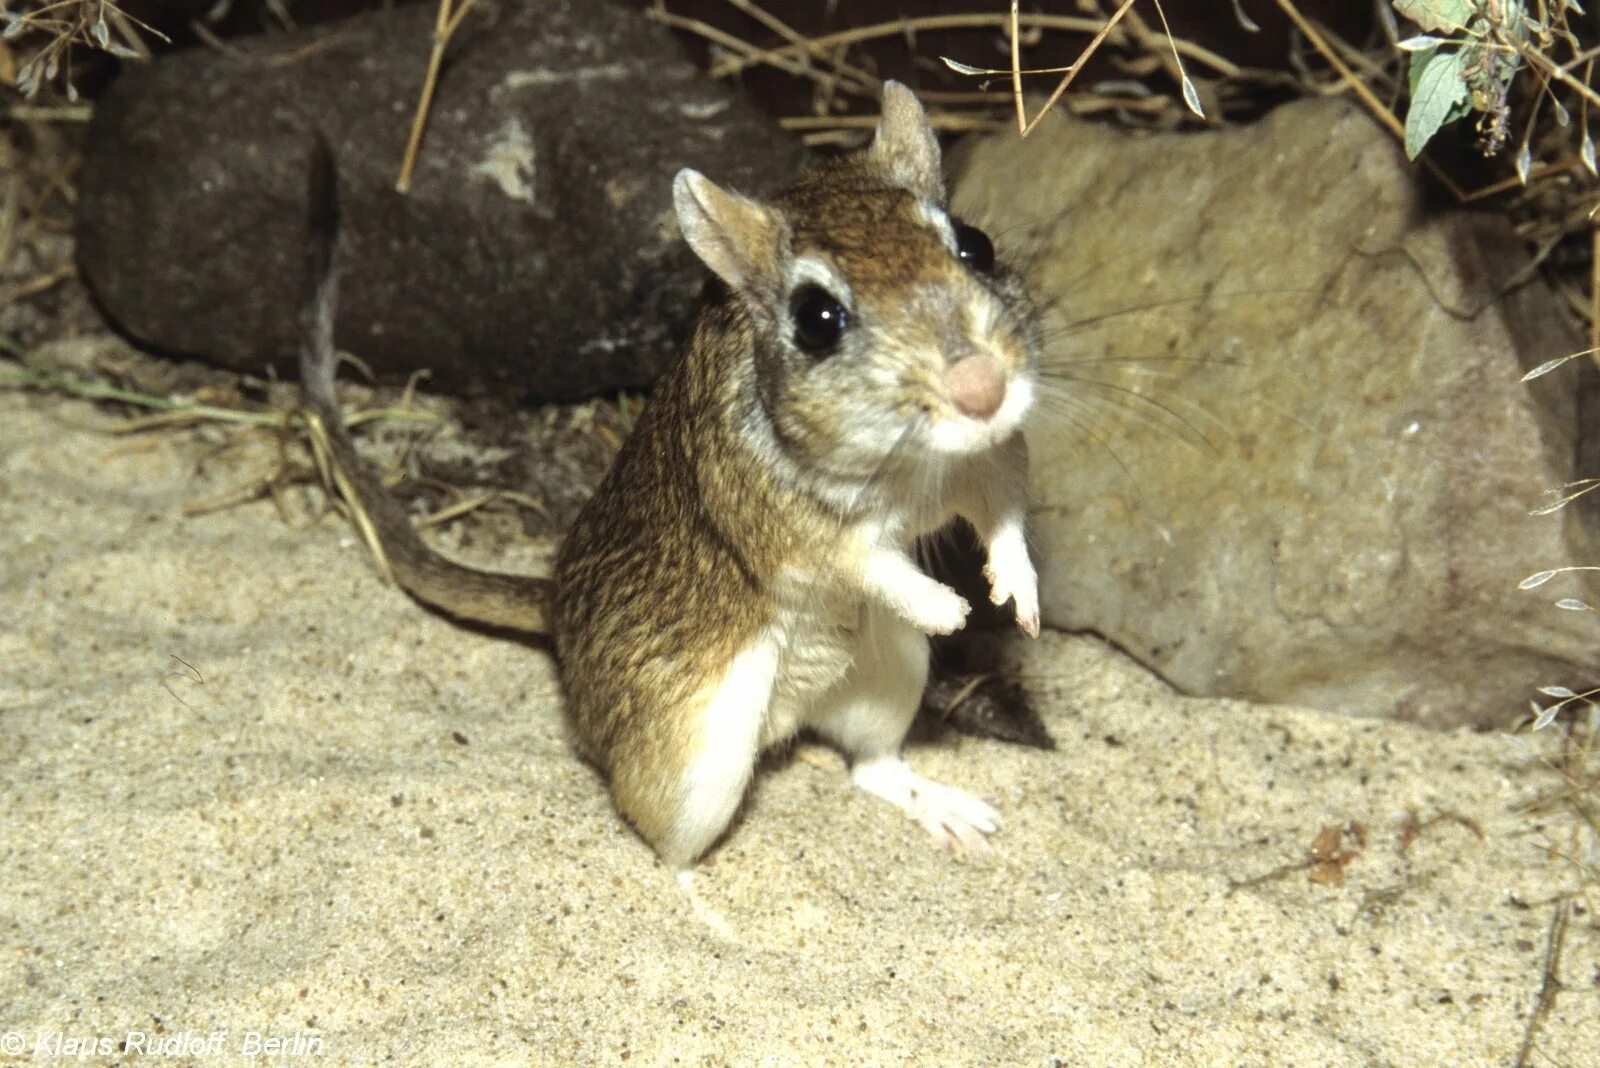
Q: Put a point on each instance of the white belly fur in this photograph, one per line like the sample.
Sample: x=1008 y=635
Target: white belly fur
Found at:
x=821 y=628
x=814 y=659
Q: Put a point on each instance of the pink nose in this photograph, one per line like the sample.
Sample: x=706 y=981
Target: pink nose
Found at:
x=977 y=386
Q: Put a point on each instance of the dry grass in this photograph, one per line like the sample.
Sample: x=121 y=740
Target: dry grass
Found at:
x=844 y=81
x=46 y=31
x=290 y=433
x=279 y=447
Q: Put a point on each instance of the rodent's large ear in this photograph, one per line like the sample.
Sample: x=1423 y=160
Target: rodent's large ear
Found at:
x=905 y=145
x=738 y=238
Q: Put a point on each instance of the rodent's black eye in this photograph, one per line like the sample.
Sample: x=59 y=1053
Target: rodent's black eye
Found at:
x=819 y=319
x=974 y=247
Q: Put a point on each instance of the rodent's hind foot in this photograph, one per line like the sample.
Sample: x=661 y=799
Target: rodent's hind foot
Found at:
x=958 y=821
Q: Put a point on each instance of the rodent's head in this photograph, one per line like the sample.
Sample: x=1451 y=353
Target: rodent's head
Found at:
x=884 y=329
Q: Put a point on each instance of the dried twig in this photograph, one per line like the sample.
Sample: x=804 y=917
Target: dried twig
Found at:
x=452 y=512
x=175 y=411
x=50 y=113
x=10 y=208
x=863 y=81
x=1550 y=985
x=949 y=123
x=64 y=24
x=39 y=285
x=1383 y=114
x=1548 y=170
x=444 y=28
x=1023 y=123
x=125 y=30
x=788 y=59
x=1539 y=61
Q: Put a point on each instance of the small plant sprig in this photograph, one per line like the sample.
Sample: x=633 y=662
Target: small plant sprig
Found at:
x=1466 y=58
x=1565 y=495
x=62 y=24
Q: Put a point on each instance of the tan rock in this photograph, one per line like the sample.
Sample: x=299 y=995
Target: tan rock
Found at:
x=1286 y=453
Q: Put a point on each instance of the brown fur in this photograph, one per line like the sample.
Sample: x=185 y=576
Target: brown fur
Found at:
x=663 y=585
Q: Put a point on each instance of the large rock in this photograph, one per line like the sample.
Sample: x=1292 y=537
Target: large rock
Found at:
x=536 y=255
x=1352 y=533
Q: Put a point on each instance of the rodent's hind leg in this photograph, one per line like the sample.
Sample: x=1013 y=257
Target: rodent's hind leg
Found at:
x=868 y=715
x=717 y=770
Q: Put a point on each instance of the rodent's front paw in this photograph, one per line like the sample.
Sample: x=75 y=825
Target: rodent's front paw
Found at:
x=1015 y=579
x=940 y=610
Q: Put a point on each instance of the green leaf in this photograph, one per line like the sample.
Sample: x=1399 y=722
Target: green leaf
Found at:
x=1451 y=16
x=1414 y=64
x=1437 y=89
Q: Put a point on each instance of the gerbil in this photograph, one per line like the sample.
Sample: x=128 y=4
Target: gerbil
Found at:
x=858 y=378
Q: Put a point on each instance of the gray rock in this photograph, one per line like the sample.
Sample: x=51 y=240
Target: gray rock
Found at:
x=536 y=255
x=1285 y=453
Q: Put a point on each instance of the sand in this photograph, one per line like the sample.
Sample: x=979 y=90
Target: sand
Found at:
x=250 y=793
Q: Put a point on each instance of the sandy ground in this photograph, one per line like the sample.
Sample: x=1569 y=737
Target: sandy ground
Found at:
x=356 y=828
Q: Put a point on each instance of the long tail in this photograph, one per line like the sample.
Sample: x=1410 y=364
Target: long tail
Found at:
x=517 y=602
